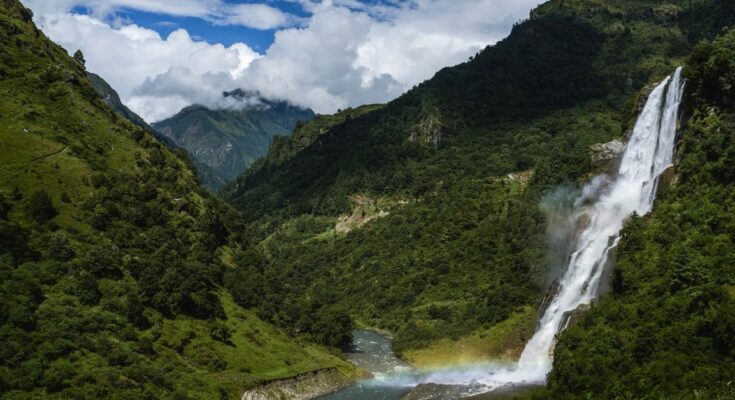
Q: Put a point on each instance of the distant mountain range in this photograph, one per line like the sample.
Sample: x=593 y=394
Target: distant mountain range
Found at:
x=228 y=141
x=220 y=143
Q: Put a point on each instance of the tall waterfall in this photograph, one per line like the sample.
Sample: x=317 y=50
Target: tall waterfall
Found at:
x=600 y=212
x=603 y=205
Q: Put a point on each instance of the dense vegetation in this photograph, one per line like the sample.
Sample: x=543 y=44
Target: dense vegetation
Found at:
x=667 y=330
x=112 y=257
x=454 y=242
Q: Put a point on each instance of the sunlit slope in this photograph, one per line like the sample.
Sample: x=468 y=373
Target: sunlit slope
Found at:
x=111 y=255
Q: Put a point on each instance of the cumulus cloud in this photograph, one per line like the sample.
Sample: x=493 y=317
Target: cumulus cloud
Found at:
x=346 y=53
x=258 y=16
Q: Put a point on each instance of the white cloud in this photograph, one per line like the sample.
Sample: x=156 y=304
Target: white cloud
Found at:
x=258 y=16
x=346 y=53
x=103 y=8
x=128 y=57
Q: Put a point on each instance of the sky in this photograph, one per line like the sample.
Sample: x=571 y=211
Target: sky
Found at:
x=164 y=55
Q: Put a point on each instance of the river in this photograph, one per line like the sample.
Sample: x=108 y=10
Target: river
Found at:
x=373 y=353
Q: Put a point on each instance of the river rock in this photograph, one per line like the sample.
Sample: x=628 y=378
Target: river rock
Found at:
x=604 y=152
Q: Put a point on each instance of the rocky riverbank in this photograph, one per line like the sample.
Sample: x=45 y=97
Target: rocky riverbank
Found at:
x=303 y=387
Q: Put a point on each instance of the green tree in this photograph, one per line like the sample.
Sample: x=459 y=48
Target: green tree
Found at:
x=79 y=57
x=40 y=207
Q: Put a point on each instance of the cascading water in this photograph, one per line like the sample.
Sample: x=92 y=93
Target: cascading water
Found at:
x=649 y=152
x=600 y=211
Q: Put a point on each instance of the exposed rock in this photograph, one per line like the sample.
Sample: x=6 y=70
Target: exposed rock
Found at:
x=571 y=317
x=364 y=210
x=429 y=130
x=303 y=387
x=431 y=391
x=605 y=152
x=667 y=178
x=521 y=177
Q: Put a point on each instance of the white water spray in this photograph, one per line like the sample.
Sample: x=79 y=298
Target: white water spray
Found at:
x=649 y=152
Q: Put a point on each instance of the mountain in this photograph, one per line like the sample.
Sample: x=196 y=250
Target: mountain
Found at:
x=428 y=216
x=227 y=141
x=206 y=175
x=110 y=96
x=112 y=258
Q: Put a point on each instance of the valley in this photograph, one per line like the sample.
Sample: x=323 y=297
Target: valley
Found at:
x=551 y=218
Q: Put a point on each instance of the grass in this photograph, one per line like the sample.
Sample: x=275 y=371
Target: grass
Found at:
x=257 y=352
x=503 y=341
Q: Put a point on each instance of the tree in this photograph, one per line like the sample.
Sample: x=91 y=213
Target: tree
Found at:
x=4 y=208
x=41 y=207
x=79 y=57
x=59 y=247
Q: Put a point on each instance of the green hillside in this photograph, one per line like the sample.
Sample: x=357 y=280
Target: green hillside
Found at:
x=423 y=216
x=112 y=99
x=227 y=141
x=111 y=256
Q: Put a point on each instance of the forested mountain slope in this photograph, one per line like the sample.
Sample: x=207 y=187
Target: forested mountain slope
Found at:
x=111 y=256
x=423 y=216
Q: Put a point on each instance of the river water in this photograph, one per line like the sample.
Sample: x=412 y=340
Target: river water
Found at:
x=372 y=352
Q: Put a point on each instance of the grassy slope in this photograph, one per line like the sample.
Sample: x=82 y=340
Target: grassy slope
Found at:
x=58 y=136
x=467 y=251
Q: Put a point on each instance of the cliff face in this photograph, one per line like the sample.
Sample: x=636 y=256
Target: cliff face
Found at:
x=303 y=387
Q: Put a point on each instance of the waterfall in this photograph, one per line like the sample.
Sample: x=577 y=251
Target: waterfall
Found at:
x=601 y=210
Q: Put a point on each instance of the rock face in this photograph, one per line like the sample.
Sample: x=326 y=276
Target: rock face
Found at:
x=667 y=178
x=429 y=130
x=364 y=210
x=605 y=152
x=303 y=387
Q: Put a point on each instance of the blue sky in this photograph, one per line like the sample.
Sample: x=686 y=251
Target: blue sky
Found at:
x=258 y=39
x=163 y=55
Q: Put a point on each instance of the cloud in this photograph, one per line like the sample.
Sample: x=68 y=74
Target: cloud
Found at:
x=129 y=56
x=346 y=53
x=104 y=8
x=258 y=16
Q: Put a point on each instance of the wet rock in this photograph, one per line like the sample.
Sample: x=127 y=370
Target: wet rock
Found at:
x=605 y=152
x=433 y=391
x=667 y=178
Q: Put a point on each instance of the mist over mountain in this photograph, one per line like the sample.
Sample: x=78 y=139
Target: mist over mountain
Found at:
x=226 y=141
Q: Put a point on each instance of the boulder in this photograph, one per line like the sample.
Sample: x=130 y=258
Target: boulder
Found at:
x=605 y=152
